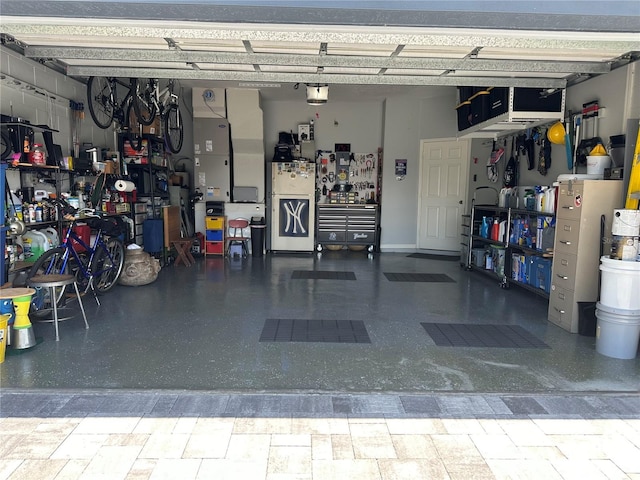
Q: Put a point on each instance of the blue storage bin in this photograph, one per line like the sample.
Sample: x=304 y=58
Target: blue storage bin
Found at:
x=542 y=277
x=153 y=235
x=214 y=235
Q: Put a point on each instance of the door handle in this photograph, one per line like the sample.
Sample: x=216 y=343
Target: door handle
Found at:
x=565 y=242
x=561 y=312
x=563 y=277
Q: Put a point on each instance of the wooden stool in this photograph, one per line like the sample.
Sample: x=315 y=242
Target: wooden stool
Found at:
x=183 y=249
x=22 y=331
x=52 y=281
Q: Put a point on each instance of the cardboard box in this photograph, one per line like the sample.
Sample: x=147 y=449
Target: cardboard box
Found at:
x=153 y=129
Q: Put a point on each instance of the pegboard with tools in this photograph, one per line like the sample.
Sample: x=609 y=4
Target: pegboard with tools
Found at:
x=357 y=174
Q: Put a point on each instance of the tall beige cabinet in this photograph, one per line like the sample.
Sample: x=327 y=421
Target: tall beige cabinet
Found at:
x=576 y=261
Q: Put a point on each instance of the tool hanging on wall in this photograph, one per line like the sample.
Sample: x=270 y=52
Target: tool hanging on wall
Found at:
x=544 y=163
x=492 y=163
x=590 y=113
x=567 y=145
x=529 y=146
x=578 y=123
x=511 y=170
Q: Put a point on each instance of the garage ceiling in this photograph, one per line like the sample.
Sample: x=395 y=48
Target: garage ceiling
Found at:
x=275 y=44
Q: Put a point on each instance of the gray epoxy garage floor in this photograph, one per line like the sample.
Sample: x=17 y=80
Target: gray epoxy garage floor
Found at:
x=198 y=328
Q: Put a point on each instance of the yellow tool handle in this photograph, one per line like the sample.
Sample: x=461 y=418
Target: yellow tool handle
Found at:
x=634 y=178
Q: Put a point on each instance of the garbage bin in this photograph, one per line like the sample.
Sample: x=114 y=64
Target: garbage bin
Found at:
x=258 y=226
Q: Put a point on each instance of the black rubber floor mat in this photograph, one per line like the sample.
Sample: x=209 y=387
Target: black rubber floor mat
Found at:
x=419 y=277
x=321 y=331
x=494 y=336
x=321 y=275
x=429 y=256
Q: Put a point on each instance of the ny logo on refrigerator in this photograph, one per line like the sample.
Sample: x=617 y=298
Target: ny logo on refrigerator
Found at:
x=294 y=217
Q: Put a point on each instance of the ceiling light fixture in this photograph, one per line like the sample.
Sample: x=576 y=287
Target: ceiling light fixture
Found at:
x=317 y=94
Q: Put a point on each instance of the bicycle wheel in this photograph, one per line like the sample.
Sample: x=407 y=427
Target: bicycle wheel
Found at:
x=99 y=97
x=108 y=265
x=173 y=128
x=142 y=100
x=50 y=262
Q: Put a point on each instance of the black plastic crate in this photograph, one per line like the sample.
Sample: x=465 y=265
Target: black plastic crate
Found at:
x=498 y=101
x=535 y=100
x=480 y=107
x=465 y=93
x=464 y=115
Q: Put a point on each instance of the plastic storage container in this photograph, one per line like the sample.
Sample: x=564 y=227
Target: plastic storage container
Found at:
x=35 y=243
x=597 y=163
x=152 y=231
x=617 y=332
x=620 y=284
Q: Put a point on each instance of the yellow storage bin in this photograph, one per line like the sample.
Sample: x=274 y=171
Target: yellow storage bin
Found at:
x=215 y=223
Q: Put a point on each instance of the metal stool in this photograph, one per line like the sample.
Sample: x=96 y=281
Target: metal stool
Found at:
x=52 y=281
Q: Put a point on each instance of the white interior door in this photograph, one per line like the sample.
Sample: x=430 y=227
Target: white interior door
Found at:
x=444 y=171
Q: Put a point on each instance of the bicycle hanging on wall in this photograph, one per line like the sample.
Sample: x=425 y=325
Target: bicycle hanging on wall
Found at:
x=164 y=102
x=106 y=105
x=146 y=99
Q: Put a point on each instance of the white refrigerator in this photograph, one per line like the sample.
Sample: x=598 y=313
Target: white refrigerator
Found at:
x=293 y=208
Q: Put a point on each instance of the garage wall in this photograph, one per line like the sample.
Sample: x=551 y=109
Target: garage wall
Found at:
x=618 y=92
x=48 y=104
x=358 y=123
x=396 y=124
x=407 y=121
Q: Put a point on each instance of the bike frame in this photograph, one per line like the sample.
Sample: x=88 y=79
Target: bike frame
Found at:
x=120 y=109
x=163 y=97
x=67 y=244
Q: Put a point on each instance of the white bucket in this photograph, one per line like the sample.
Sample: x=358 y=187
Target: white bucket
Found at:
x=620 y=284
x=626 y=223
x=597 y=163
x=617 y=332
x=624 y=248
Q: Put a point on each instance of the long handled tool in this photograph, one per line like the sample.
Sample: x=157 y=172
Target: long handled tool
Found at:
x=567 y=145
x=633 y=190
x=575 y=145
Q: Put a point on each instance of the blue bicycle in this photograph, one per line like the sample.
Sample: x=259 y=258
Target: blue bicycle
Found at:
x=96 y=266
